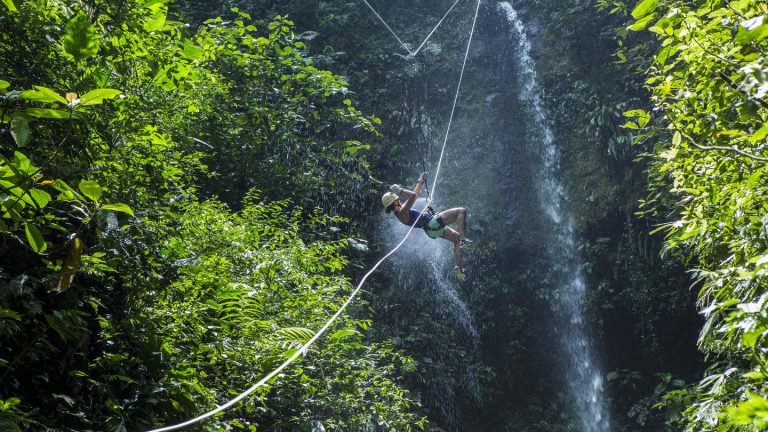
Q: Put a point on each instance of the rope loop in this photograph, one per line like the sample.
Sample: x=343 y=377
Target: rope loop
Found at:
x=411 y=54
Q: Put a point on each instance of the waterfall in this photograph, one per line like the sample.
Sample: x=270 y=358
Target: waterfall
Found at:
x=585 y=380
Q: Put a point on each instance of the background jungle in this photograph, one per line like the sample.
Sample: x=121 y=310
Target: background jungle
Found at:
x=191 y=188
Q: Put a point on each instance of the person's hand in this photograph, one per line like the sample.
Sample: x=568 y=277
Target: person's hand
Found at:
x=396 y=189
x=423 y=177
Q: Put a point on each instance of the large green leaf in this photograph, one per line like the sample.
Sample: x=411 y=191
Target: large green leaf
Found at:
x=42 y=94
x=120 y=207
x=22 y=165
x=342 y=334
x=760 y=134
x=642 y=23
x=97 y=96
x=66 y=191
x=192 y=51
x=4 y=84
x=644 y=8
x=20 y=131
x=91 y=189
x=81 y=40
x=40 y=197
x=156 y=21
x=53 y=113
x=11 y=5
x=35 y=238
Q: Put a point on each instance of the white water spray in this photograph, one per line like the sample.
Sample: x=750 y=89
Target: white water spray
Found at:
x=584 y=377
x=422 y=267
x=430 y=260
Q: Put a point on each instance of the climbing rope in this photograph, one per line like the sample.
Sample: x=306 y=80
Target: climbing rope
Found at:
x=434 y=29
x=455 y=99
x=388 y=27
x=412 y=53
x=304 y=348
x=424 y=169
x=295 y=355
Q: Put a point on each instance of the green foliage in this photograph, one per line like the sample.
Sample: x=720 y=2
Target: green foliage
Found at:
x=164 y=306
x=95 y=97
x=11 y=5
x=34 y=238
x=80 y=40
x=156 y=19
x=249 y=291
x=91 y=189
x=753 y=413
x=20 y=131
x=708 y=82
x=302 y=124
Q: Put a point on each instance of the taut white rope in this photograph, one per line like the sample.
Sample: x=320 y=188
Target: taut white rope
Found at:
x=295 y=355
x=354 y=293
x=412 y=53
x=388 y=27
x=455 y=99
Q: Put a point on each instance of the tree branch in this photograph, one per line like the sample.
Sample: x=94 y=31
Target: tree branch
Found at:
x=719 y=148
x=705 y=49
x=733 y=85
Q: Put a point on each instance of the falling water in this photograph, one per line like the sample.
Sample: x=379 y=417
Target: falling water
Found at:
x=584 y=377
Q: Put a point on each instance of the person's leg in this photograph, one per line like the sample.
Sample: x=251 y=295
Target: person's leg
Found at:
x=456 y=216
x=454 y=237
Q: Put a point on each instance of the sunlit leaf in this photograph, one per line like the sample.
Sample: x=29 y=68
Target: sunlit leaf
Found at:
x=119 y=207
x=35 y=238
x=663 y=26
x=91 y=189
x=642 y=23
x=11 y=5
x=66 y=191
x=98 y=96
x=21 y=164
x=81 y=40
x=20 y=131
x=40 y=197
x=53 y=114
x=644 y=8
x=677 y=138
x=156 y=21
x=42 y=94
x=752 y=30
x=752 y=412
x=192 y=51
x=341 y=334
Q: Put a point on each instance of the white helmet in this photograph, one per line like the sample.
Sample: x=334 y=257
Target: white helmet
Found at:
x=388 y=198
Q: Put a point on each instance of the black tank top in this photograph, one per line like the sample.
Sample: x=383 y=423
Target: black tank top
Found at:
x=416 y=221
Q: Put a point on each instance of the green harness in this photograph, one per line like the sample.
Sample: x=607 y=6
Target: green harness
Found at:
x=435 y=226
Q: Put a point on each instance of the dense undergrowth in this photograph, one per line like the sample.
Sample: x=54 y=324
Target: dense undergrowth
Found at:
x=131 y=295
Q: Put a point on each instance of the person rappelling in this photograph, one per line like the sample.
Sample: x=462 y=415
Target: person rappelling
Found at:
x=434 y=224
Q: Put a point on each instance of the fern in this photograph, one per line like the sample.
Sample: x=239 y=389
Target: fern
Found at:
x=294 y=337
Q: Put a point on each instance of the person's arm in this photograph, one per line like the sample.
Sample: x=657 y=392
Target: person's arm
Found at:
x=412 y=195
